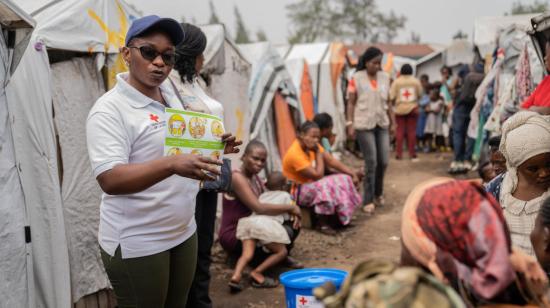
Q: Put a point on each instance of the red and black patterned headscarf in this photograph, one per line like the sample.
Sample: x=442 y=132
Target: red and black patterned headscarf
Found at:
x=457 y=230
x=454 y=217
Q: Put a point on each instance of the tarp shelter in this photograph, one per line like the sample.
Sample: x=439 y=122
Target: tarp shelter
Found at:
x=35 y=262
x=298 y=69
x=229 y=76
x=299 y=73
x=487 y=29
x=83 y=38
x=327 y=62
x=460 y=52
x=275 y=111
x=87 y=26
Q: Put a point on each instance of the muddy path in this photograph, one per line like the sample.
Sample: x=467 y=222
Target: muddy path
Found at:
x=368 y=237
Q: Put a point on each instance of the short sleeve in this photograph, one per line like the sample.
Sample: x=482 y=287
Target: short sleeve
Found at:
x=352 y=87
x=298 y=163
x=108 y=143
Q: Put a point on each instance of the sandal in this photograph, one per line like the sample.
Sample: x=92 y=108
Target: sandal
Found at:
x=326 y=230
x=235 y=287
x=293 y=263
x=369 y=209
x=268 y=283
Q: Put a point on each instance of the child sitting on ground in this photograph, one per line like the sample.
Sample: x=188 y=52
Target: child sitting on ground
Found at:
x=434 y=119
x=265 y=231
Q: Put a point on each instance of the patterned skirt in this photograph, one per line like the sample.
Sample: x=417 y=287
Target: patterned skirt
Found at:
x=333 y=194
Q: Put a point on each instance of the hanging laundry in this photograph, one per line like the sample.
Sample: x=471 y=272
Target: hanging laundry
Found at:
x=524 y=79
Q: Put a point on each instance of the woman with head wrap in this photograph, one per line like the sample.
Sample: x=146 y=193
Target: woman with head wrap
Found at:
x=187 y=83
x=525 y=143
x=456 y=230
x=370 y=119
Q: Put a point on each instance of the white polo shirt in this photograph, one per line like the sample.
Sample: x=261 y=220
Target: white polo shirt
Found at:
x=126 y=127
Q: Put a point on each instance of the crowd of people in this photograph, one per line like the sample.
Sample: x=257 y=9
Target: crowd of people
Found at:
x=158 y=212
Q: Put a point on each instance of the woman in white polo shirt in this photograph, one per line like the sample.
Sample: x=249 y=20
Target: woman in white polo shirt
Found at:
x=147 y=227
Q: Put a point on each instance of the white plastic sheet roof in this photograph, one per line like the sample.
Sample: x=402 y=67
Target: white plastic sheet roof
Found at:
x=81 y=25
x=486 y=29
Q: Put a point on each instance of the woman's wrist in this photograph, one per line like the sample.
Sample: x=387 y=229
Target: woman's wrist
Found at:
x=168 y=165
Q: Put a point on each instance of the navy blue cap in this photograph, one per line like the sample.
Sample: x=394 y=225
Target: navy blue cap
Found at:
x=168 y=25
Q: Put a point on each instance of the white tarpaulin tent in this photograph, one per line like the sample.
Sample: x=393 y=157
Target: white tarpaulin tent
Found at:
x=326 y=63
x=88 y=34
x=81 y=25
x=229 y=74
x=35 y=262
x=487 y=29
x=271 y=85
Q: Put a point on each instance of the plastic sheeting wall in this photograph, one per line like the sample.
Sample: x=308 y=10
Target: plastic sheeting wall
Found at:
x=230 y=89
x=76 y=87
x=15 y=269
x=270 y=78
x=324 y=70
x=30 y=110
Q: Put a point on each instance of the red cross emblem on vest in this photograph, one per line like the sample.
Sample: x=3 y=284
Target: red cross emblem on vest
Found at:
x=303 y=300
x=407 y=94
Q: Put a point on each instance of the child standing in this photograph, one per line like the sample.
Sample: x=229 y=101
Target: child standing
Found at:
x=434 y=119
x=422 y=103
x=265 y=231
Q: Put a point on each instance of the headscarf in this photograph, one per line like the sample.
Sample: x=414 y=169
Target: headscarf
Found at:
x=194 y=42
x=459 y=224
x=524 y=135
x=369 y=54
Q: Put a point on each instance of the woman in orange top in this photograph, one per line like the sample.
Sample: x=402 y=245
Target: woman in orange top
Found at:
x=304 y=164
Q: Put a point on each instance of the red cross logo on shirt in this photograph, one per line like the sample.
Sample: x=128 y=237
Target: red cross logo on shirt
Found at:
x=154 y=117
x=407 y=94
x=303 y=301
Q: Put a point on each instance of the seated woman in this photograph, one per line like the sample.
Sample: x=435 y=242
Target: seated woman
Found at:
x=326 y=124
x=304 y=165
x=456 y=231
x=244 y=200
x=525 y=144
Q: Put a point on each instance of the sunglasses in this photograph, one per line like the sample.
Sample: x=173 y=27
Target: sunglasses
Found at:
x=150 y=54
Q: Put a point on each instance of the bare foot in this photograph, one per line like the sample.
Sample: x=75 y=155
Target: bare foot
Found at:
x=257 y=277
x=236 y=277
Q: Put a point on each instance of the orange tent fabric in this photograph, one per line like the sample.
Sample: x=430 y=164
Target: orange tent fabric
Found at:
x=338 y=53
x=306 y=94
x=286 y=131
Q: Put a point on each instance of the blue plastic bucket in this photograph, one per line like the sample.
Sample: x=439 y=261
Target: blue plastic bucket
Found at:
x=299 y=285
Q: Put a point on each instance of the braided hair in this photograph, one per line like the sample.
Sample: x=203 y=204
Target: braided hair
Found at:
x=192 y=46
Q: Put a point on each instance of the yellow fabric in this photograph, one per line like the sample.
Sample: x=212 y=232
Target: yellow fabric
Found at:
x=406 y=91
x=296 y=160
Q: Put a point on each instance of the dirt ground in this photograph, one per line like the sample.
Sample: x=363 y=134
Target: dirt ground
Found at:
x=368 y=237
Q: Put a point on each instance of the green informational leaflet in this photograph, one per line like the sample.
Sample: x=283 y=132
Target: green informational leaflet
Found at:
x=189 y=132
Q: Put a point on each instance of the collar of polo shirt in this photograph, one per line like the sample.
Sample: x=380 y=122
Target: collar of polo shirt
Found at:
x=139 y=100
